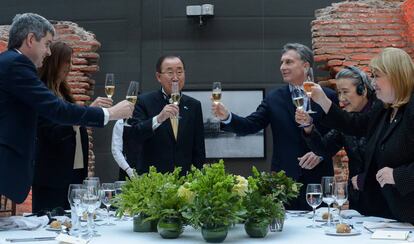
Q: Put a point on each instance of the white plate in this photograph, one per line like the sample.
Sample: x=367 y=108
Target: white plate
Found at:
x=332 y=232
x=325 y=220
x=55 y=229
x=98 y=218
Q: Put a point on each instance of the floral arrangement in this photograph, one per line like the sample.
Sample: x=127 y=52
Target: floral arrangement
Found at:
x=213 y=197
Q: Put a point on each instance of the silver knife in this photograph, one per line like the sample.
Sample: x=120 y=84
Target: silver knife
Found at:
x=48 y=238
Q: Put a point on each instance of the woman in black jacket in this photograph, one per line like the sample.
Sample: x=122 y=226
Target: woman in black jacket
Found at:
x=355 y=94
x=62 y=150
x=389 y=155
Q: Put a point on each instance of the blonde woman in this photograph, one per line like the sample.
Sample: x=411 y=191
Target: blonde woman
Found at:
x=389 y=155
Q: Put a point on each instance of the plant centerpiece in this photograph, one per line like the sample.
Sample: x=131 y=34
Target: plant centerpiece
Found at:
x=136 y=199
x=214 y=200
x=265 y=198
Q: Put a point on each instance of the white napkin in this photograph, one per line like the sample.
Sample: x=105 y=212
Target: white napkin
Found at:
x=71 y=239
x=394 y=225
x=390 y=235
x=23 y=223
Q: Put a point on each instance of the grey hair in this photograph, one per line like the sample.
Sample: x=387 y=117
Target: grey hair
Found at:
x=26 y=23
x=304 y=52
x=348 y=74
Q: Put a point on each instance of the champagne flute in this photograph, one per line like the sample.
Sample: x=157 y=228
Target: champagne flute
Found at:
x=109 y=85
x=175 y=95
x=73 y=201
x=328 y=194
x=216 y=92
x=307 y=86
x=108 y=192
x=298 y=100
x=118 y=190
x=132 y=95
x=75 y=196
x=314 y=199
x=341 y=196
x=89 y=201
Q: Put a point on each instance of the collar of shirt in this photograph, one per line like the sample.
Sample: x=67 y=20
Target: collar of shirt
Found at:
x=17 y=50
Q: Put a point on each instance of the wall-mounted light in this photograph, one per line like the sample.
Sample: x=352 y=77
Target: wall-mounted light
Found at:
x=200 y=11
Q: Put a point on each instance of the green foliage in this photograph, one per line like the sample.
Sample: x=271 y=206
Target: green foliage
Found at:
x=153 y=194
x=215 y=196
x=267 y=193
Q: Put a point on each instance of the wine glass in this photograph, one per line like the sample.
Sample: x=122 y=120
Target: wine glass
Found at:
x=108 y=192
x=328 y=194
x=109 y=85
x=341 y=196
x=90 y=202
x=298 y=100
x=74 y=200
x=175 y=95
x=75 y=196
x=314 y=199
x=132 y=95
x=307 y=86
x=118 y=190
x=216 y=92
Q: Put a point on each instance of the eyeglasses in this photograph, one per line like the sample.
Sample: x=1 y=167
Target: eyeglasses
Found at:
x=171 y=73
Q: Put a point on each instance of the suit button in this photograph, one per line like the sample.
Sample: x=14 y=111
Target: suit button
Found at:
x=382 y=147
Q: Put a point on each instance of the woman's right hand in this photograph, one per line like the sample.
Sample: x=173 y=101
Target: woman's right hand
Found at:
x=319 y=97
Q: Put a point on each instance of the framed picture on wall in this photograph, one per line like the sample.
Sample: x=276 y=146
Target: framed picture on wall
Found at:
x=222 y=144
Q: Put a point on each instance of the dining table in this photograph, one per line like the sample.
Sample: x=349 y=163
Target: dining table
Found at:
x=295 y=231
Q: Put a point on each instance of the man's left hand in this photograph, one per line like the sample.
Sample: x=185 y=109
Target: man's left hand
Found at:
x=309 y=160
x=385 y=176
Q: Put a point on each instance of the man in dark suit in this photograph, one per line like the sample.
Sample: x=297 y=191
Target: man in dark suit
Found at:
x=171 y=135
x=290 y=152
x=23 y=97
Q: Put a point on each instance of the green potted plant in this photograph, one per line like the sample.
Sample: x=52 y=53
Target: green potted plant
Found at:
x=165 y=205
x=135 y=199
x=265 y=198
x=214 y=200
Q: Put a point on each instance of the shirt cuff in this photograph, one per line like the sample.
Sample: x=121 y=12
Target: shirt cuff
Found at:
x=228 y=120
x=155 y=123
x=106 y=115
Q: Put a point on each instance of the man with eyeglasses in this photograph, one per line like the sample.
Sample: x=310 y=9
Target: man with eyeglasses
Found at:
x=171 y=134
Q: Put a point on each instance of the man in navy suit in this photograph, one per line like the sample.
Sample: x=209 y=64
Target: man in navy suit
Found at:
x=170 y=134
x=23 y=97
x=290 y=152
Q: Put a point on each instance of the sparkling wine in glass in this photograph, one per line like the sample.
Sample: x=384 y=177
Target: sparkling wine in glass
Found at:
x=175 y=94
x=314 y=199
x=109 y=84
x=107 y=194
x=307 y=86
x=328 y=194
x=298 y=98
x=216 y=92
x=132 y=95
x=341 y=195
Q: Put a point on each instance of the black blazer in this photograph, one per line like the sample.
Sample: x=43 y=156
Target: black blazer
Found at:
x=278 y=110
x=22 y=98
x=159 y=147
x=392 y=148
x=56 y=146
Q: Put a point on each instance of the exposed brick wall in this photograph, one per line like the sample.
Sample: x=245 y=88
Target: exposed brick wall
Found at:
x=352 y=33
x=84 y=64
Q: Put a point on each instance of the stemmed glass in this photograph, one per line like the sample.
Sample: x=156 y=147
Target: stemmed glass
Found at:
x=93 y=182
x=75 y=196
x=328 y=194
x=89 y=201
x=175 y=95
x=314 y=199
x=74 y=202
x=216 y=92
x=108 y=192
x=341 y=196
x=307 y=86
x=298 y=100
x=109 y=85
x=132 y=95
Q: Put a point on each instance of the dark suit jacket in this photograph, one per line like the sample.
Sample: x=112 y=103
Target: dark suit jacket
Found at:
x=392 y=148
x=22 y=98
x=56 y=146
x=160 y=148
x=278 y=110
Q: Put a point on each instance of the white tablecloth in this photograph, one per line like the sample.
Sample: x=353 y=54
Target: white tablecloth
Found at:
x=294 y=232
